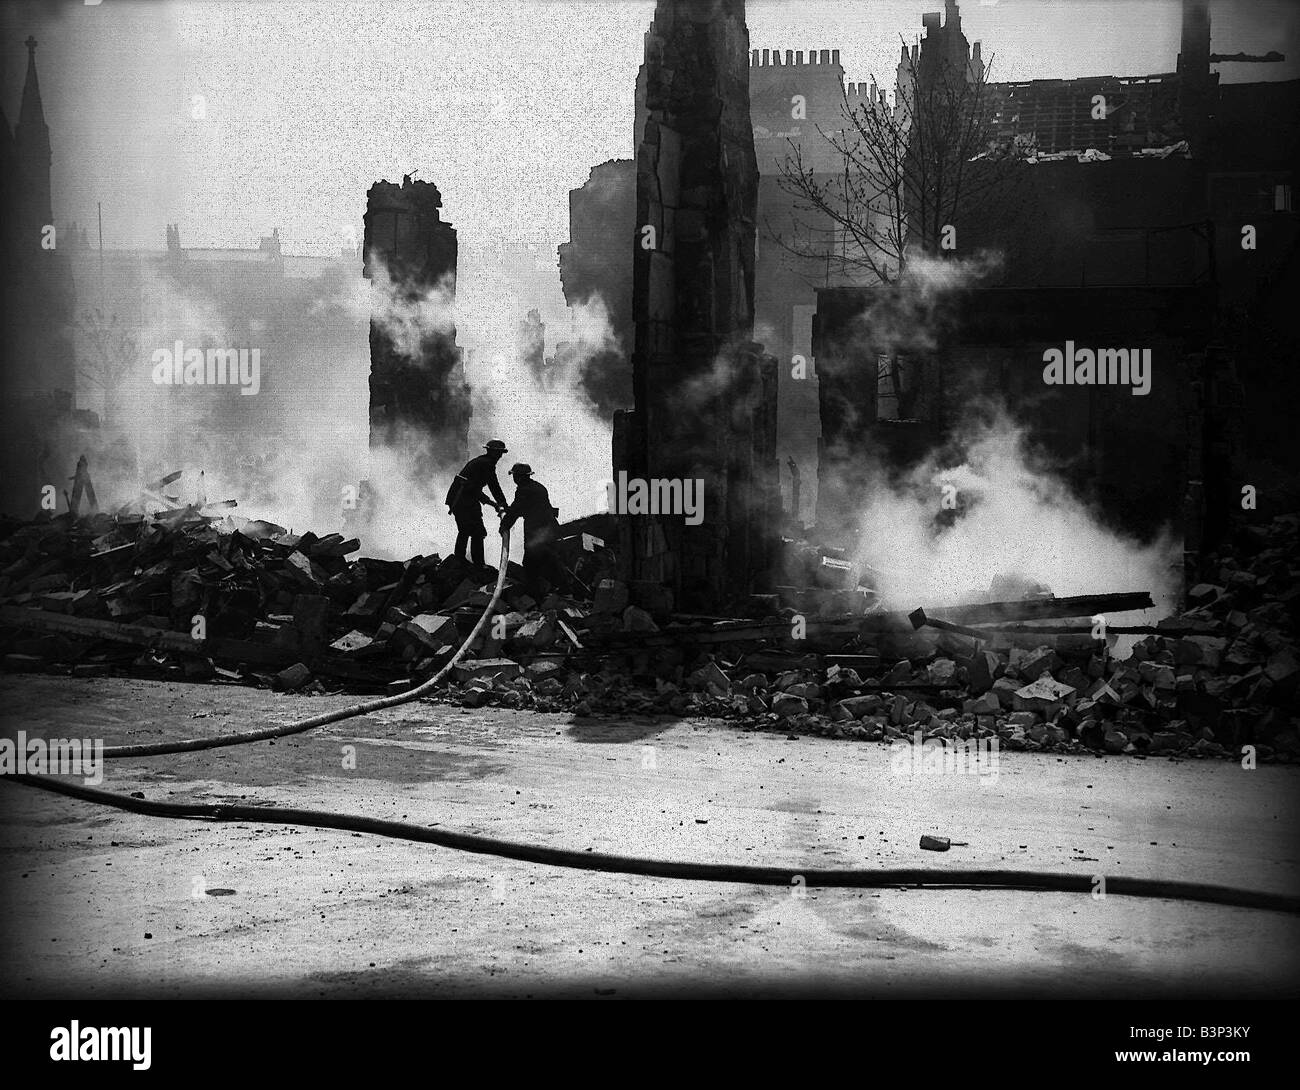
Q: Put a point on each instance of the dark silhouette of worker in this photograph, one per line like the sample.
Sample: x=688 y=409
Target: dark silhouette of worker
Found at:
x=465 y=500
x=532 y=503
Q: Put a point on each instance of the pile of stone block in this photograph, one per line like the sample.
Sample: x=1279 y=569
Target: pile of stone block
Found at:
x=102 y=593
x=1221 y=676
x=205 y=599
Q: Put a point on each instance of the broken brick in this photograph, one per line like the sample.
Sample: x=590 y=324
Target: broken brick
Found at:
x=352 y=642
x=1034 y=664
x=983 y=668
x=984 y=704
x=860 y=706
x=303 y=570
x=636 y=619
x=785 y=705
x=429 y=630
x=489 y=669
x=1044 y=696
x=611 y=597
x=293 y=678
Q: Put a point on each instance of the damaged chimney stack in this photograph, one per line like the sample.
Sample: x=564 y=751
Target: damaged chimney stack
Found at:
x=418 y=395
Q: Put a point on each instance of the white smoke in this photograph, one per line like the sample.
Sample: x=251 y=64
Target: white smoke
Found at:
x=988 y=516
x=408 y=317
x=910 y=315
x=546 y=421
x=296 y=454
x=284 y=455
x=1009 y=519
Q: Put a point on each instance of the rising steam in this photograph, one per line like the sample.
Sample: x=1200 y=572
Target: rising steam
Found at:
x=987 y=516
x=1015 y=526
x=297 y=452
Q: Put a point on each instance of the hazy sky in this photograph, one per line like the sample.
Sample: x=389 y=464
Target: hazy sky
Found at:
x=505 y=106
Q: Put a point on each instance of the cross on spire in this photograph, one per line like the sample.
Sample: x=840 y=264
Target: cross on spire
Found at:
x=31 y=118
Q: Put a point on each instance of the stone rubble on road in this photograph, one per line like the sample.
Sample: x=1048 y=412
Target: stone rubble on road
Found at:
x=309 y=612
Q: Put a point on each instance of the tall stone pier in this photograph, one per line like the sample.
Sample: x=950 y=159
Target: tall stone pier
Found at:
x=419 y=400
x=704 y=393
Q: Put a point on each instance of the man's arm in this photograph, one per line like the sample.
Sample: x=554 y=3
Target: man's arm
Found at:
x=513 y=513
x=495 y=486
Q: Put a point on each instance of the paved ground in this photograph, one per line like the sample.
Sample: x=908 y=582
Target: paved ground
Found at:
x=97 y=902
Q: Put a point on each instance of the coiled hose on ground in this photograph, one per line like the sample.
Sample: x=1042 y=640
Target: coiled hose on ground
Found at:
x=936 y=878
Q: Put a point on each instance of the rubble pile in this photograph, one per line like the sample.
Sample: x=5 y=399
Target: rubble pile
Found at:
x=1219 y=676
x=210 y=598
x=292 y=611
x=1222 y=675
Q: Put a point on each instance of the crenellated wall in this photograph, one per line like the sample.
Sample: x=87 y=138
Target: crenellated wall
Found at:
x=762 y=58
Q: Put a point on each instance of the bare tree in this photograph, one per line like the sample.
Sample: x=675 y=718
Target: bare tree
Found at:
x=108 y=354
x=908 y=175
x=908 y=171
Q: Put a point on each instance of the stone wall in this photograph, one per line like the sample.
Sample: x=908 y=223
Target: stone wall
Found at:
x=596 y=262
x=417 y=393
x=704 y=394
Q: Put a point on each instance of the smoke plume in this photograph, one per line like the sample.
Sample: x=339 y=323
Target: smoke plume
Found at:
x=987 y=518
x=298 y=452
x=547 y=421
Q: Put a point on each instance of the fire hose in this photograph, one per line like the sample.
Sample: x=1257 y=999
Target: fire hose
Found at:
x=913 y=878
x=351 y=712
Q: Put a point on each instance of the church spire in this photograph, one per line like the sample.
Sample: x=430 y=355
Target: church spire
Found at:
x=31 y=149
x=31 y=114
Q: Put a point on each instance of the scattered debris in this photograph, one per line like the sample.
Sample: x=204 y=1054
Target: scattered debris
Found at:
x=193 y=595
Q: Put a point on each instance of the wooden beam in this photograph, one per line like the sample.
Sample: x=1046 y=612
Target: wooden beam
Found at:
x=818 y=628
x=570 y=635
x=1031 y=609
x=727 y=632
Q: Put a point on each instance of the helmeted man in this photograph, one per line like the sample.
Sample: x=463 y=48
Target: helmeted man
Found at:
x=532 y=503
x=465 y=499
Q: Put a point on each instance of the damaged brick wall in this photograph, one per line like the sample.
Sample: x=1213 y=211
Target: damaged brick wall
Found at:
x=796 y=248
x=1127 y=455
x=596 y=262
x=704 y=394
x=416 y=396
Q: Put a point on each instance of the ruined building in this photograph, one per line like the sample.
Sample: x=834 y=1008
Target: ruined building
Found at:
x=39 y=364
x=1135 y=245
x=704 y=394
x=795 y=100
x=1069 y=226
x=27 y=160
x=419 y=400
x=531 y=342
x=39 y=296
x=1140 y=115
x=597 y=259
x=943 y=50
x=596 y=263
x=800 y=102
